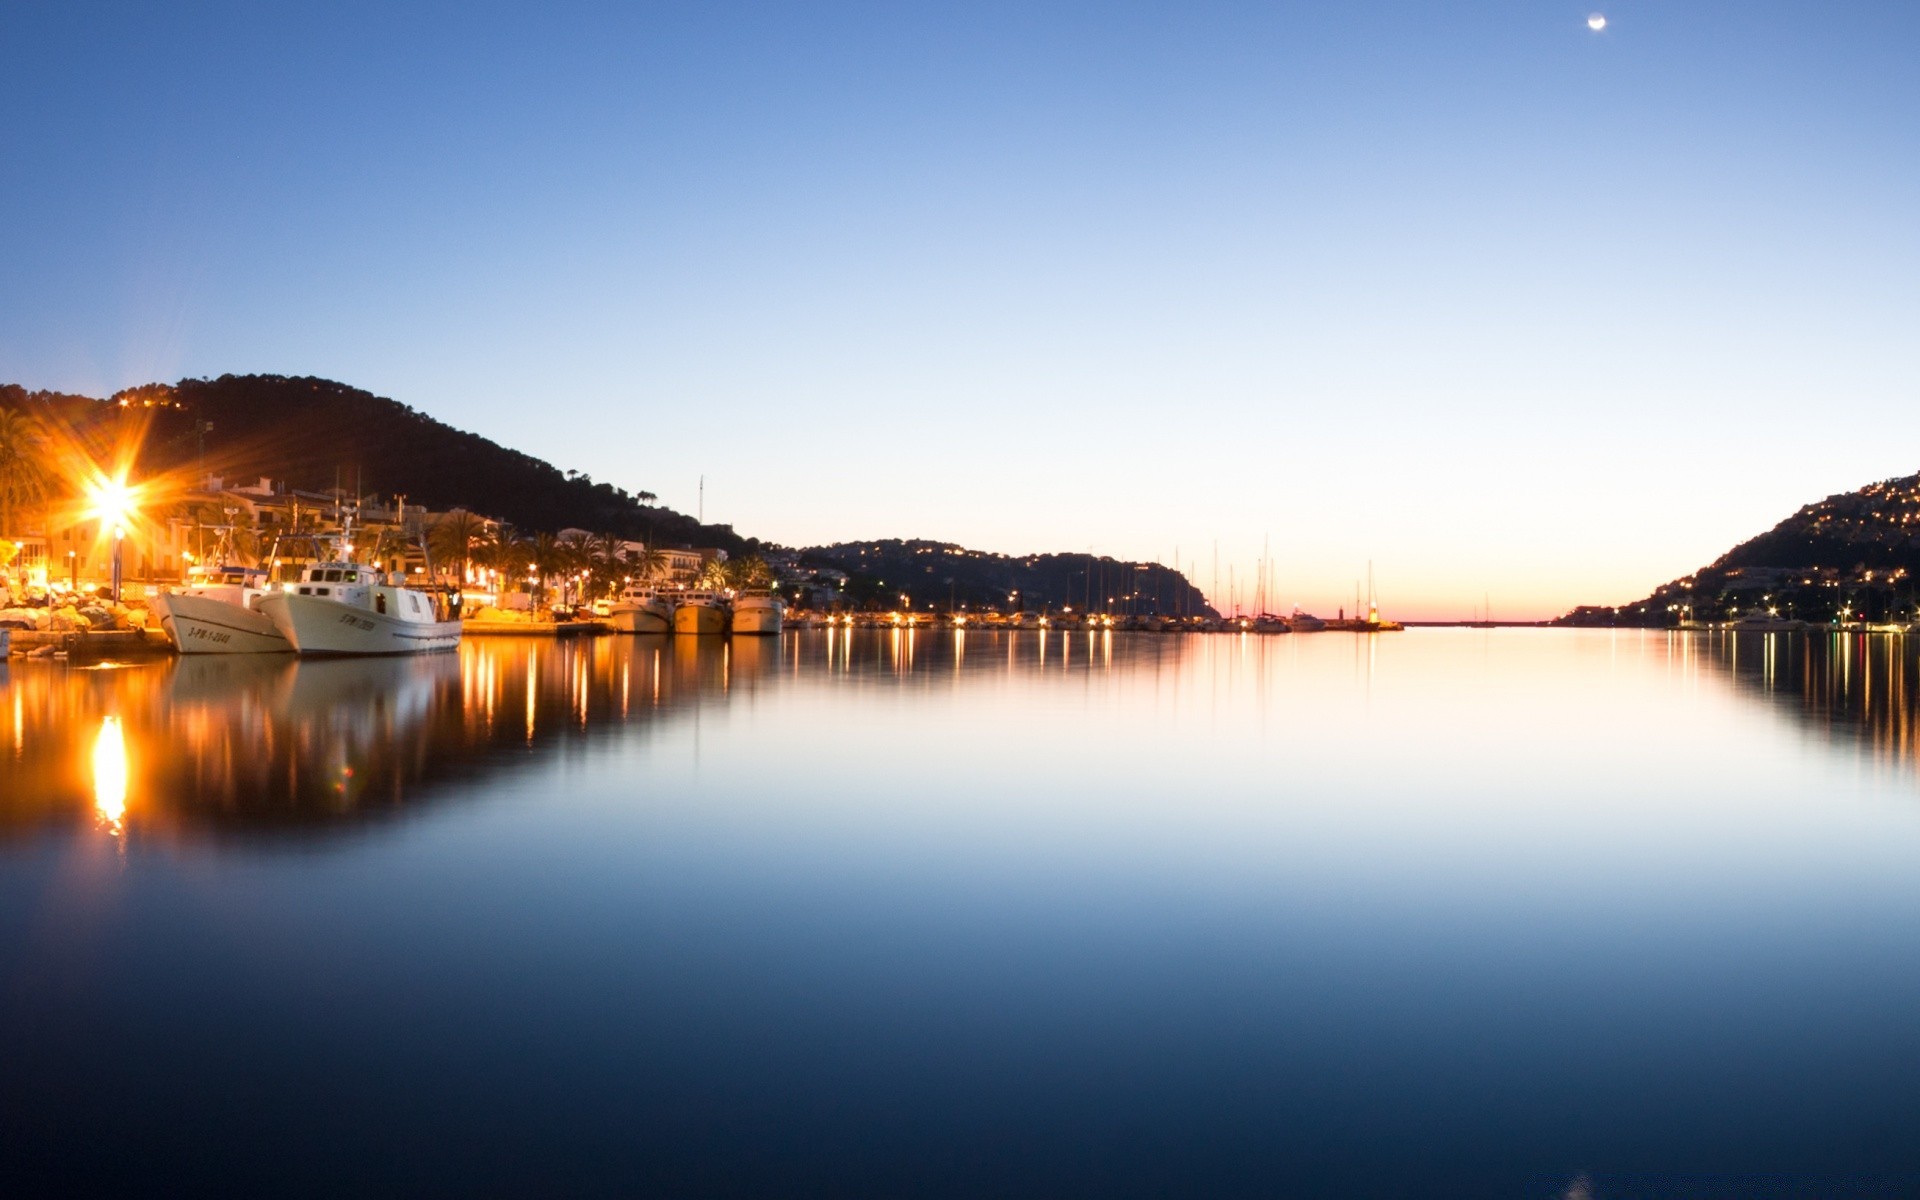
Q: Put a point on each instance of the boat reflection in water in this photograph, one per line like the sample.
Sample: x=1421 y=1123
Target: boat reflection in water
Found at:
x=259 y=742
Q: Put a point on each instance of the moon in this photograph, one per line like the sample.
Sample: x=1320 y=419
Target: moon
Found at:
x=1597 y=22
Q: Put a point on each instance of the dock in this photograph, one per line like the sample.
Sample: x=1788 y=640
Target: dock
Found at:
x=90 y=645
x=552 y=629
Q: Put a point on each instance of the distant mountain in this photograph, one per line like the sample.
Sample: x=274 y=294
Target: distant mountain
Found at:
x=880 y=572
x=314 y=434
x=1854 y=554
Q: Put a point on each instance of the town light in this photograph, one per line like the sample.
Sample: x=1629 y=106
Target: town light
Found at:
x=113 y=502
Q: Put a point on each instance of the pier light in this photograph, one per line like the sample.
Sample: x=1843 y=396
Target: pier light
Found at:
x=112 y=501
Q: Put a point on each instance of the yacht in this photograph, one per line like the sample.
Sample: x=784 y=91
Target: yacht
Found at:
x=218 y=612
x=700 y=611
x=758 y=610
x=1756 y=620
x=1303 y=622
x=345 y=607
x=642 y=608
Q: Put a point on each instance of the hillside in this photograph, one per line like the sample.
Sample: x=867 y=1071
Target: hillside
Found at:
x=314 y=434
x=1854 y=553
x=939 y=573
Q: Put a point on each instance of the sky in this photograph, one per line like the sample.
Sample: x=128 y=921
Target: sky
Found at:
x=1522 y=313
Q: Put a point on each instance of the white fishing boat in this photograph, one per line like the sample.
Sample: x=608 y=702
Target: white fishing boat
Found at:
x=700 y=611
x=758 y=610
x=217 y=612
x=642 y=608
x=350 y=608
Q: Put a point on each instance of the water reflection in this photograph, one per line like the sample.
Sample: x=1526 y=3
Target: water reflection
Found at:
x=263 y=741
x=1452 y=912
x=110 y=775
x=1851 y=686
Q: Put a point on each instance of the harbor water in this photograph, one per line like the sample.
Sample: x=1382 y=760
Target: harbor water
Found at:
x=859 y=913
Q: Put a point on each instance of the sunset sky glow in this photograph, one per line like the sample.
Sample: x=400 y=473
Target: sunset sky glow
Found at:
x=1508 y=304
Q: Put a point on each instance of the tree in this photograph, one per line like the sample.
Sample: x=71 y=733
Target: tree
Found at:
x=453 y=540
x=549 y=555
x=716 y=576
x=648 y=565
x=604 y=554
x=26 y=464
x=754 y=571
x=230 y=539
x=499 y=548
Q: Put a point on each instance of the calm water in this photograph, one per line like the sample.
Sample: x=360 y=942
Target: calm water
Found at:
x=1509 y=913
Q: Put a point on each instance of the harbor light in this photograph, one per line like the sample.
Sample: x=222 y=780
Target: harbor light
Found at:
x=112 y=502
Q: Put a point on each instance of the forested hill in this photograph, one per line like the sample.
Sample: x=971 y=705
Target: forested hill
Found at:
x=1855 y=551
x=938 y=572
x=315 y=433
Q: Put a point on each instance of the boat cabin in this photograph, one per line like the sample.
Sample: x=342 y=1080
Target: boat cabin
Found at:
x=365 y=587
x=228 y=575
x=334 y=579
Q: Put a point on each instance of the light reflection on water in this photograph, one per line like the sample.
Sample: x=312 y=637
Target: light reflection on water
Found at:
x=110 y=774
x=869 y=912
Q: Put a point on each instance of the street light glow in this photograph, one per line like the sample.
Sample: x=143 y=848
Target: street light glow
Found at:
x=113 y=502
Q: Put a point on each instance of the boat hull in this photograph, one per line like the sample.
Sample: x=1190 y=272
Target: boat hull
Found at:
x=201 y=625
x=315 y=625
x=699 y=618
x=757 y=619
x=641 y=620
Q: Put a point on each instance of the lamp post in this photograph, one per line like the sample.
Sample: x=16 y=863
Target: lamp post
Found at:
x=113 y=502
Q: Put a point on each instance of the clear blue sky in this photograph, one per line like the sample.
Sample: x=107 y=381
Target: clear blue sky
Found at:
x=1503 y=304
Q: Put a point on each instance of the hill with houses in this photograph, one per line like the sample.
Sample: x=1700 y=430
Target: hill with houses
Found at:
x=1852 y=556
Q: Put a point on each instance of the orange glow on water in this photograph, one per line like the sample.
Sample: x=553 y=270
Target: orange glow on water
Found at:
x=110 y=775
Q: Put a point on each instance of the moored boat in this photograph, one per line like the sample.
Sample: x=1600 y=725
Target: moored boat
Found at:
x=349 y=608
x=218 y=613
x=1756 y=620
x=700 y=611
x=1304 y=622
x=641 y=608
x=758 y=610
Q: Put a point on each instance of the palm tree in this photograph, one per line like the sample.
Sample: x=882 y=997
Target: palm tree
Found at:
x=715 y=575
x=508 y=554
x=605 y=553
x=497 y=547
x=231 y=537
x=26 y=467
x=549 y=556
x=453 y=539
x=579 y=551
x=647 y=565
x=753 y=571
